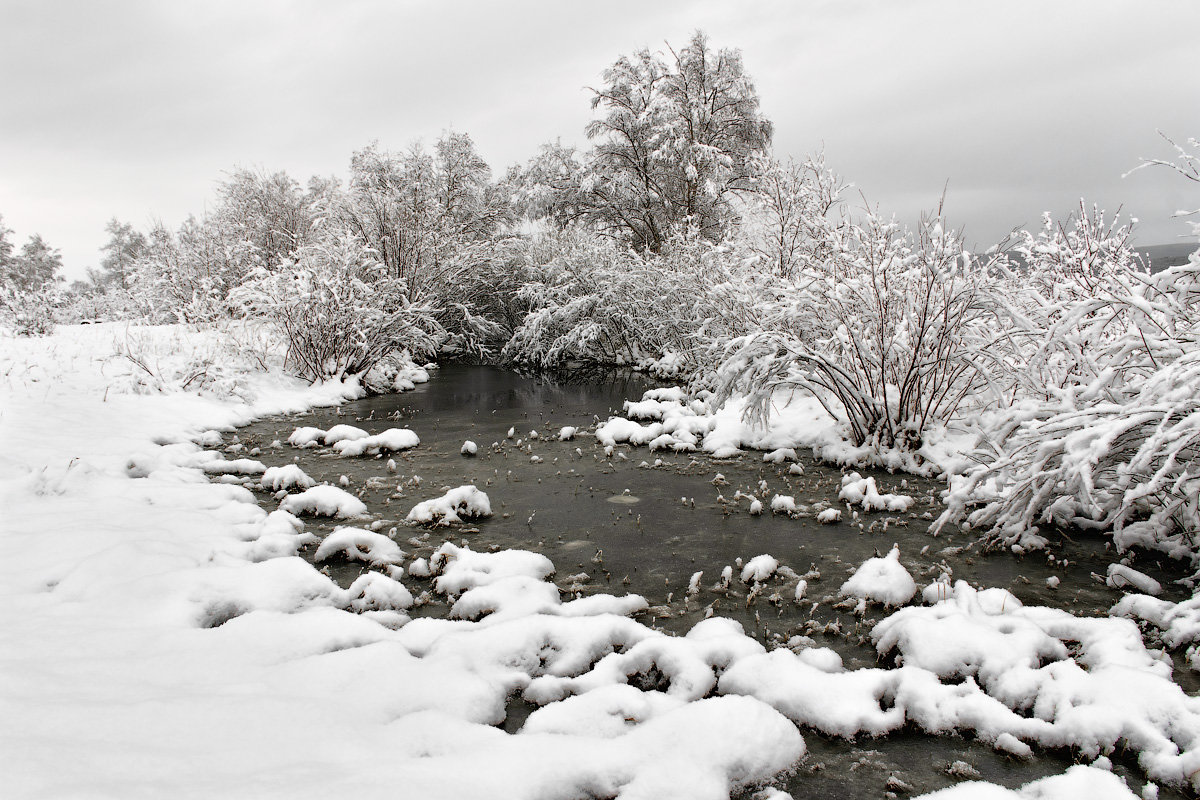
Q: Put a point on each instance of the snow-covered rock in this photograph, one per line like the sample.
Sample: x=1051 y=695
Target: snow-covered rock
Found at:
x=463 y=502
x=357 y=544
x=288 y=476
x=759 y=568
x=390 y=441
x=372 y=591
x=306 y=437
x=324 y=501
x=342 y=433
x=1123 y=577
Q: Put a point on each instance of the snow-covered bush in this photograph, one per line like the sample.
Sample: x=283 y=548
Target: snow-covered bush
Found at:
x=1111 y=436
x=1083 y=308
x=591 y=299
x=891 y=331
x=1130 y=465
x=339 y=309
x=29 y=313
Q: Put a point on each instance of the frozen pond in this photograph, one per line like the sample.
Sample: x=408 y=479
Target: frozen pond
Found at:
x=644 y=522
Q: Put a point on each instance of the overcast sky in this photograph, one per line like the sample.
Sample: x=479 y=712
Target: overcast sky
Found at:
x=134 y=109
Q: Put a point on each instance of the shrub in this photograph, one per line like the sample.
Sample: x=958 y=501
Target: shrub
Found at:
x=339 y=310
x=891 y=332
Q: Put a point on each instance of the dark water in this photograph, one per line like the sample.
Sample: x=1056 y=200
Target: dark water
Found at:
x=614 y=524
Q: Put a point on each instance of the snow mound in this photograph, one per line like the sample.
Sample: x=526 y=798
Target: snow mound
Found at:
x=857 y=490
x=461 y=568
x=455 y=505
x=306 y=437
x=280 y=535
x=375 y=592
x=240 y=466
x=324 y=501
x=341 y=433
x=971 y=633
x=392 y=440
x=784 y=504
x=1123 y=577
x=685 y=667
x=881 y=580
x=289 y=476
x=357 y=544
x=1080 y=781
x=1179 y=622
x=759 y=568
x=605 y=712
x=829 y=516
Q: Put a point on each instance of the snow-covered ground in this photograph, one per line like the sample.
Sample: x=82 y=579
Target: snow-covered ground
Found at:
x=158 y=636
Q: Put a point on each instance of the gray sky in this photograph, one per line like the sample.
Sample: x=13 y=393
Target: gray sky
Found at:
x=134 y=109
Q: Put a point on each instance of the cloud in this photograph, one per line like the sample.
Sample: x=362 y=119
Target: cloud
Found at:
x=134 y=109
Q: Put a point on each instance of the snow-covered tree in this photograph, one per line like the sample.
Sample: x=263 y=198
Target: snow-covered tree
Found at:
x=29 y=284
x=121 y=252
x=676 y=138
x=790 y=206
x=545 y=187
x=267 y=210
x=592 y=299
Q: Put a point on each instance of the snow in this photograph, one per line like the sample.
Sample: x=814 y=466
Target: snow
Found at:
x=356 y=544
x=669 y=419
x=857 y=490
x=1079 y=781
x=784 y=504
x=306 y=437
x=455 y=505
x=324 y=501
x=759 y=568
x=830 y=516
x=240 y=466
x=1179 y=623
x=175 y=645
x=1122 y=577
x=390 y=441
x=342 y=433
x=881 y=580
x=375 y=592
x=288 y=476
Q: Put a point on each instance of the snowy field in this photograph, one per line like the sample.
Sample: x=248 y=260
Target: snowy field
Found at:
x=159 y=636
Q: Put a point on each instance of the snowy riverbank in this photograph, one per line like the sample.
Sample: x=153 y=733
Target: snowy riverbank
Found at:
x=145 y=652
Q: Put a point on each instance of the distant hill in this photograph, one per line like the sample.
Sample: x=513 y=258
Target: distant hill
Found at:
x=1164 y=256
x=1158 y=256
